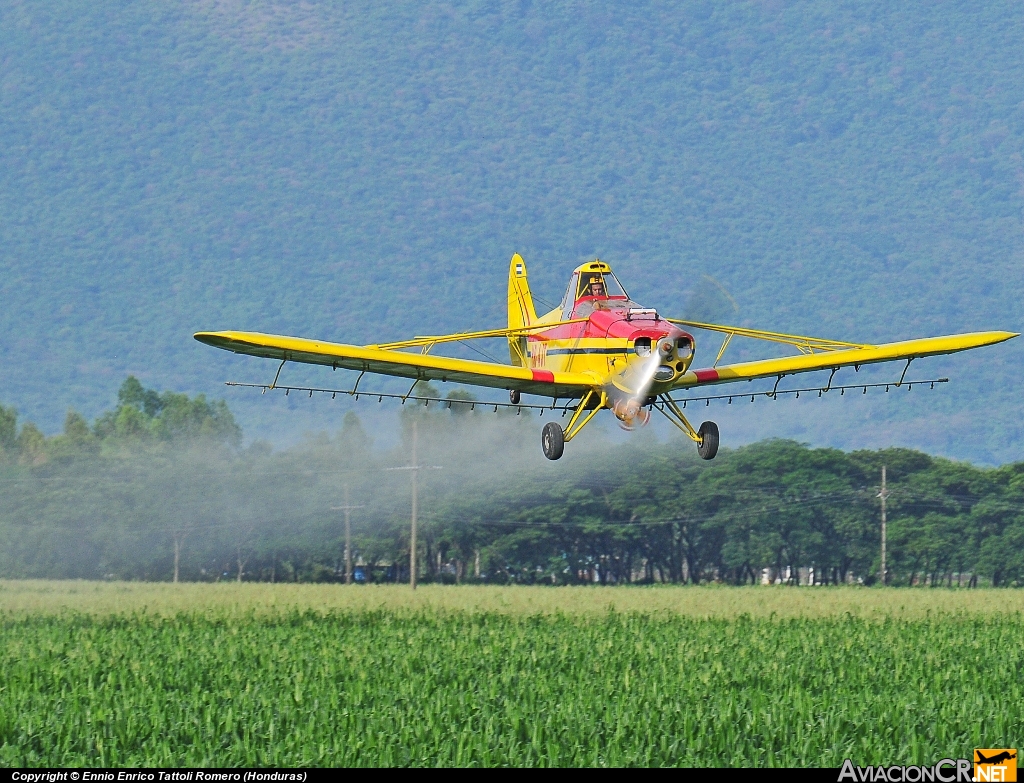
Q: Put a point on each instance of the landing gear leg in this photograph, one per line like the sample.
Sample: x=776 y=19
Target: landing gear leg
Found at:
x=553 y=439
x=706 y=437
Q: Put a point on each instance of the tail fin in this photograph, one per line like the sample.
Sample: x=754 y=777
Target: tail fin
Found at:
x=520 y=308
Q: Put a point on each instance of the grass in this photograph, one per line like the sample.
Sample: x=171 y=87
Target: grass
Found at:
x=282 y=675
x=162 y=598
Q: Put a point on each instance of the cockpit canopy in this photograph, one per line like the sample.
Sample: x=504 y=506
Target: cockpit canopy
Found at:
x=601 y=285
x=593 y=286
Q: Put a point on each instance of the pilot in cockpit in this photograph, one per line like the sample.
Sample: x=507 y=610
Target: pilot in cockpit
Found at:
x=595 y=287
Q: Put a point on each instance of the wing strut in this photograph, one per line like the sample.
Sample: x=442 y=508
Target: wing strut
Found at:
x=805 y=345
x=721 y=351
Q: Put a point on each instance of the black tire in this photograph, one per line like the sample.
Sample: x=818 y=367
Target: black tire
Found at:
x=552 y=440
x=708 y=446
x=515 y=396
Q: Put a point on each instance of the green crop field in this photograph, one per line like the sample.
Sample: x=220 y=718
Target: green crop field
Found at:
x=144 y=674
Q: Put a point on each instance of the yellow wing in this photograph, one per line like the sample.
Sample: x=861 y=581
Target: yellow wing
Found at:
x=833 y=355
x=389 y=361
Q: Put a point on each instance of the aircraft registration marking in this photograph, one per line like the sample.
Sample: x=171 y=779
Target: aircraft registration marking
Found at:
x=538 y=353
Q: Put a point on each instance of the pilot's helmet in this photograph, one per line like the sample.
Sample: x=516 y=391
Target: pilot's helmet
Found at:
x=596 y=280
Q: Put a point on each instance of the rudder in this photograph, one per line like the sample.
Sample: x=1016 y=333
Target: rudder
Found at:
x=520 y=308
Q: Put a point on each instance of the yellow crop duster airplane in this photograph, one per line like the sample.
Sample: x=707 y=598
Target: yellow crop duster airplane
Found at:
x=598 y=349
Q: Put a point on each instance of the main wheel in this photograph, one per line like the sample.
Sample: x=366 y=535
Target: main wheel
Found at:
x=552 y=440
x=514 y=396
x=708 y=446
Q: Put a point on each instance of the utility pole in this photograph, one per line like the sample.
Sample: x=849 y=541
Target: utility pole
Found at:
x=415 y=475
x=348 y=540
x=883 y=494
x=179 y=540
x=348 y=535
x=415 y=467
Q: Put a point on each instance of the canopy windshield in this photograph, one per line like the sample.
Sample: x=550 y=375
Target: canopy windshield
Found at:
x=599 y=285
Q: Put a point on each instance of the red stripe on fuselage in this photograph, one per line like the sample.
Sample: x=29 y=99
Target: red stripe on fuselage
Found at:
x=543 y=375
x=703 y=376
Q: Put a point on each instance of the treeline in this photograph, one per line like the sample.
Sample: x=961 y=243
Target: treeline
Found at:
x=160 y=488
x=141 y=416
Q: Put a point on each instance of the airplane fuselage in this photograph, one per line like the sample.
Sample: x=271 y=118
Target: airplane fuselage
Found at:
x=612 y=341
x=630 y=351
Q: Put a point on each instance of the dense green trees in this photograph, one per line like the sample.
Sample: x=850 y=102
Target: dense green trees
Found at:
x=145 y=414
x=141 y=416
x=160 y=488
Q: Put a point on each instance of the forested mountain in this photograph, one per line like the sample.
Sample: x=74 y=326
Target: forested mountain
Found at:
x=157 y=488
x=361 y=171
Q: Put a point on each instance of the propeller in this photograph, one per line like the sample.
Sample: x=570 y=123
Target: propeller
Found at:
x=630 y=410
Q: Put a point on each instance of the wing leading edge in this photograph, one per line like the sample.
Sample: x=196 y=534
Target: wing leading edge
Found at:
x=404 y=365
x=889 y=352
